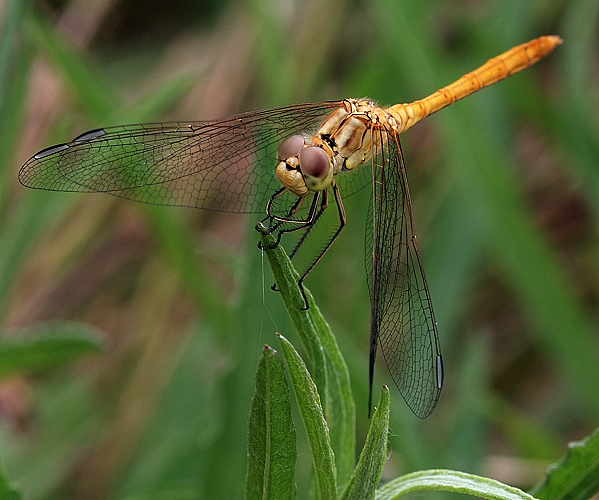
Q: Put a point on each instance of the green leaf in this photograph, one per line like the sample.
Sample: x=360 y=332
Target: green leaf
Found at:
x=15 y=60
x=176 y=243
x=369 y=470
x=162 y=98
x=450 y=480
x=271 y=434
x=84 y=79
x=308 y=402
x=287 y=278
x=329 y=369
x=6 y=491
x=339 y=407
x=47 y=345
x=576 y=476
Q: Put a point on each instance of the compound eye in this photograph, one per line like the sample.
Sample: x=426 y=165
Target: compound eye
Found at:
x=291 y=147
x=314 y=162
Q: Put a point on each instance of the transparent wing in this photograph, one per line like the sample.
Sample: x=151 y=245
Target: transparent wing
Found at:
x=402 y=321
x=226 y=165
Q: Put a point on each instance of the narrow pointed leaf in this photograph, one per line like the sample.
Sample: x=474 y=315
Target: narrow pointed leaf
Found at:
x=332 y=378
x=287 y=282
x=450 y=480
x=576 y=476
x=7 y=492
x=369 y=470
x=339 y=406
x=47 y=345
x=308 y=402
x=83 y=79
x=271 y=434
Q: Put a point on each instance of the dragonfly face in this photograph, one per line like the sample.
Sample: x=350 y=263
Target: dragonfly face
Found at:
x=305 y=164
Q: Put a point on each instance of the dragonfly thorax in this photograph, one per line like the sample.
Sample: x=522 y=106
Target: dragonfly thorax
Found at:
x=350 y=132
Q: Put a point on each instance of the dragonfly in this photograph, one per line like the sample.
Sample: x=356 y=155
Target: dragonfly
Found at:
x=291 y=163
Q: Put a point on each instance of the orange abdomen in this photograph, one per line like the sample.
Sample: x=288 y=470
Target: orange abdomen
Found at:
x=495 y=69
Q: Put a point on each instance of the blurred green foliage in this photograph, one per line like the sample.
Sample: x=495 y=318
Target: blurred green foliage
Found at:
x=505 y=190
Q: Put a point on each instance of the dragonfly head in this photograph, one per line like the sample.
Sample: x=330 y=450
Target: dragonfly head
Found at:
x=305 y=164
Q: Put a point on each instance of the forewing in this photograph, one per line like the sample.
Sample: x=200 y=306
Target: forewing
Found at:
x=225 y=165
x=403 y=322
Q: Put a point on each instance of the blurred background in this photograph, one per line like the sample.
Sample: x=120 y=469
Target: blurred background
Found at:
x=505 y=188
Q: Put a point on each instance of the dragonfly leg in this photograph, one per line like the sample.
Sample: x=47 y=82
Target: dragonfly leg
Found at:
x=271 y=229
x=308 y=223
x=276 y=221
x=316 y=215
x=311 y=220
x=317 y=208
x=342 y=221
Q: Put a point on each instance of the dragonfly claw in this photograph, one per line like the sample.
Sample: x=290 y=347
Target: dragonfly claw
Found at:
x=262 y=229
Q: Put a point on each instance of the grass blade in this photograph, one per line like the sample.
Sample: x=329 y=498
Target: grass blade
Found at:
x=576 y=477
x=83 y=78
x=329 y=369
x=6 y=491
x=340 y=409
x=271 y=434
x=46 y=346
x=369 y=470
x=450 y=480
x=287 y=282
x=314 y=422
